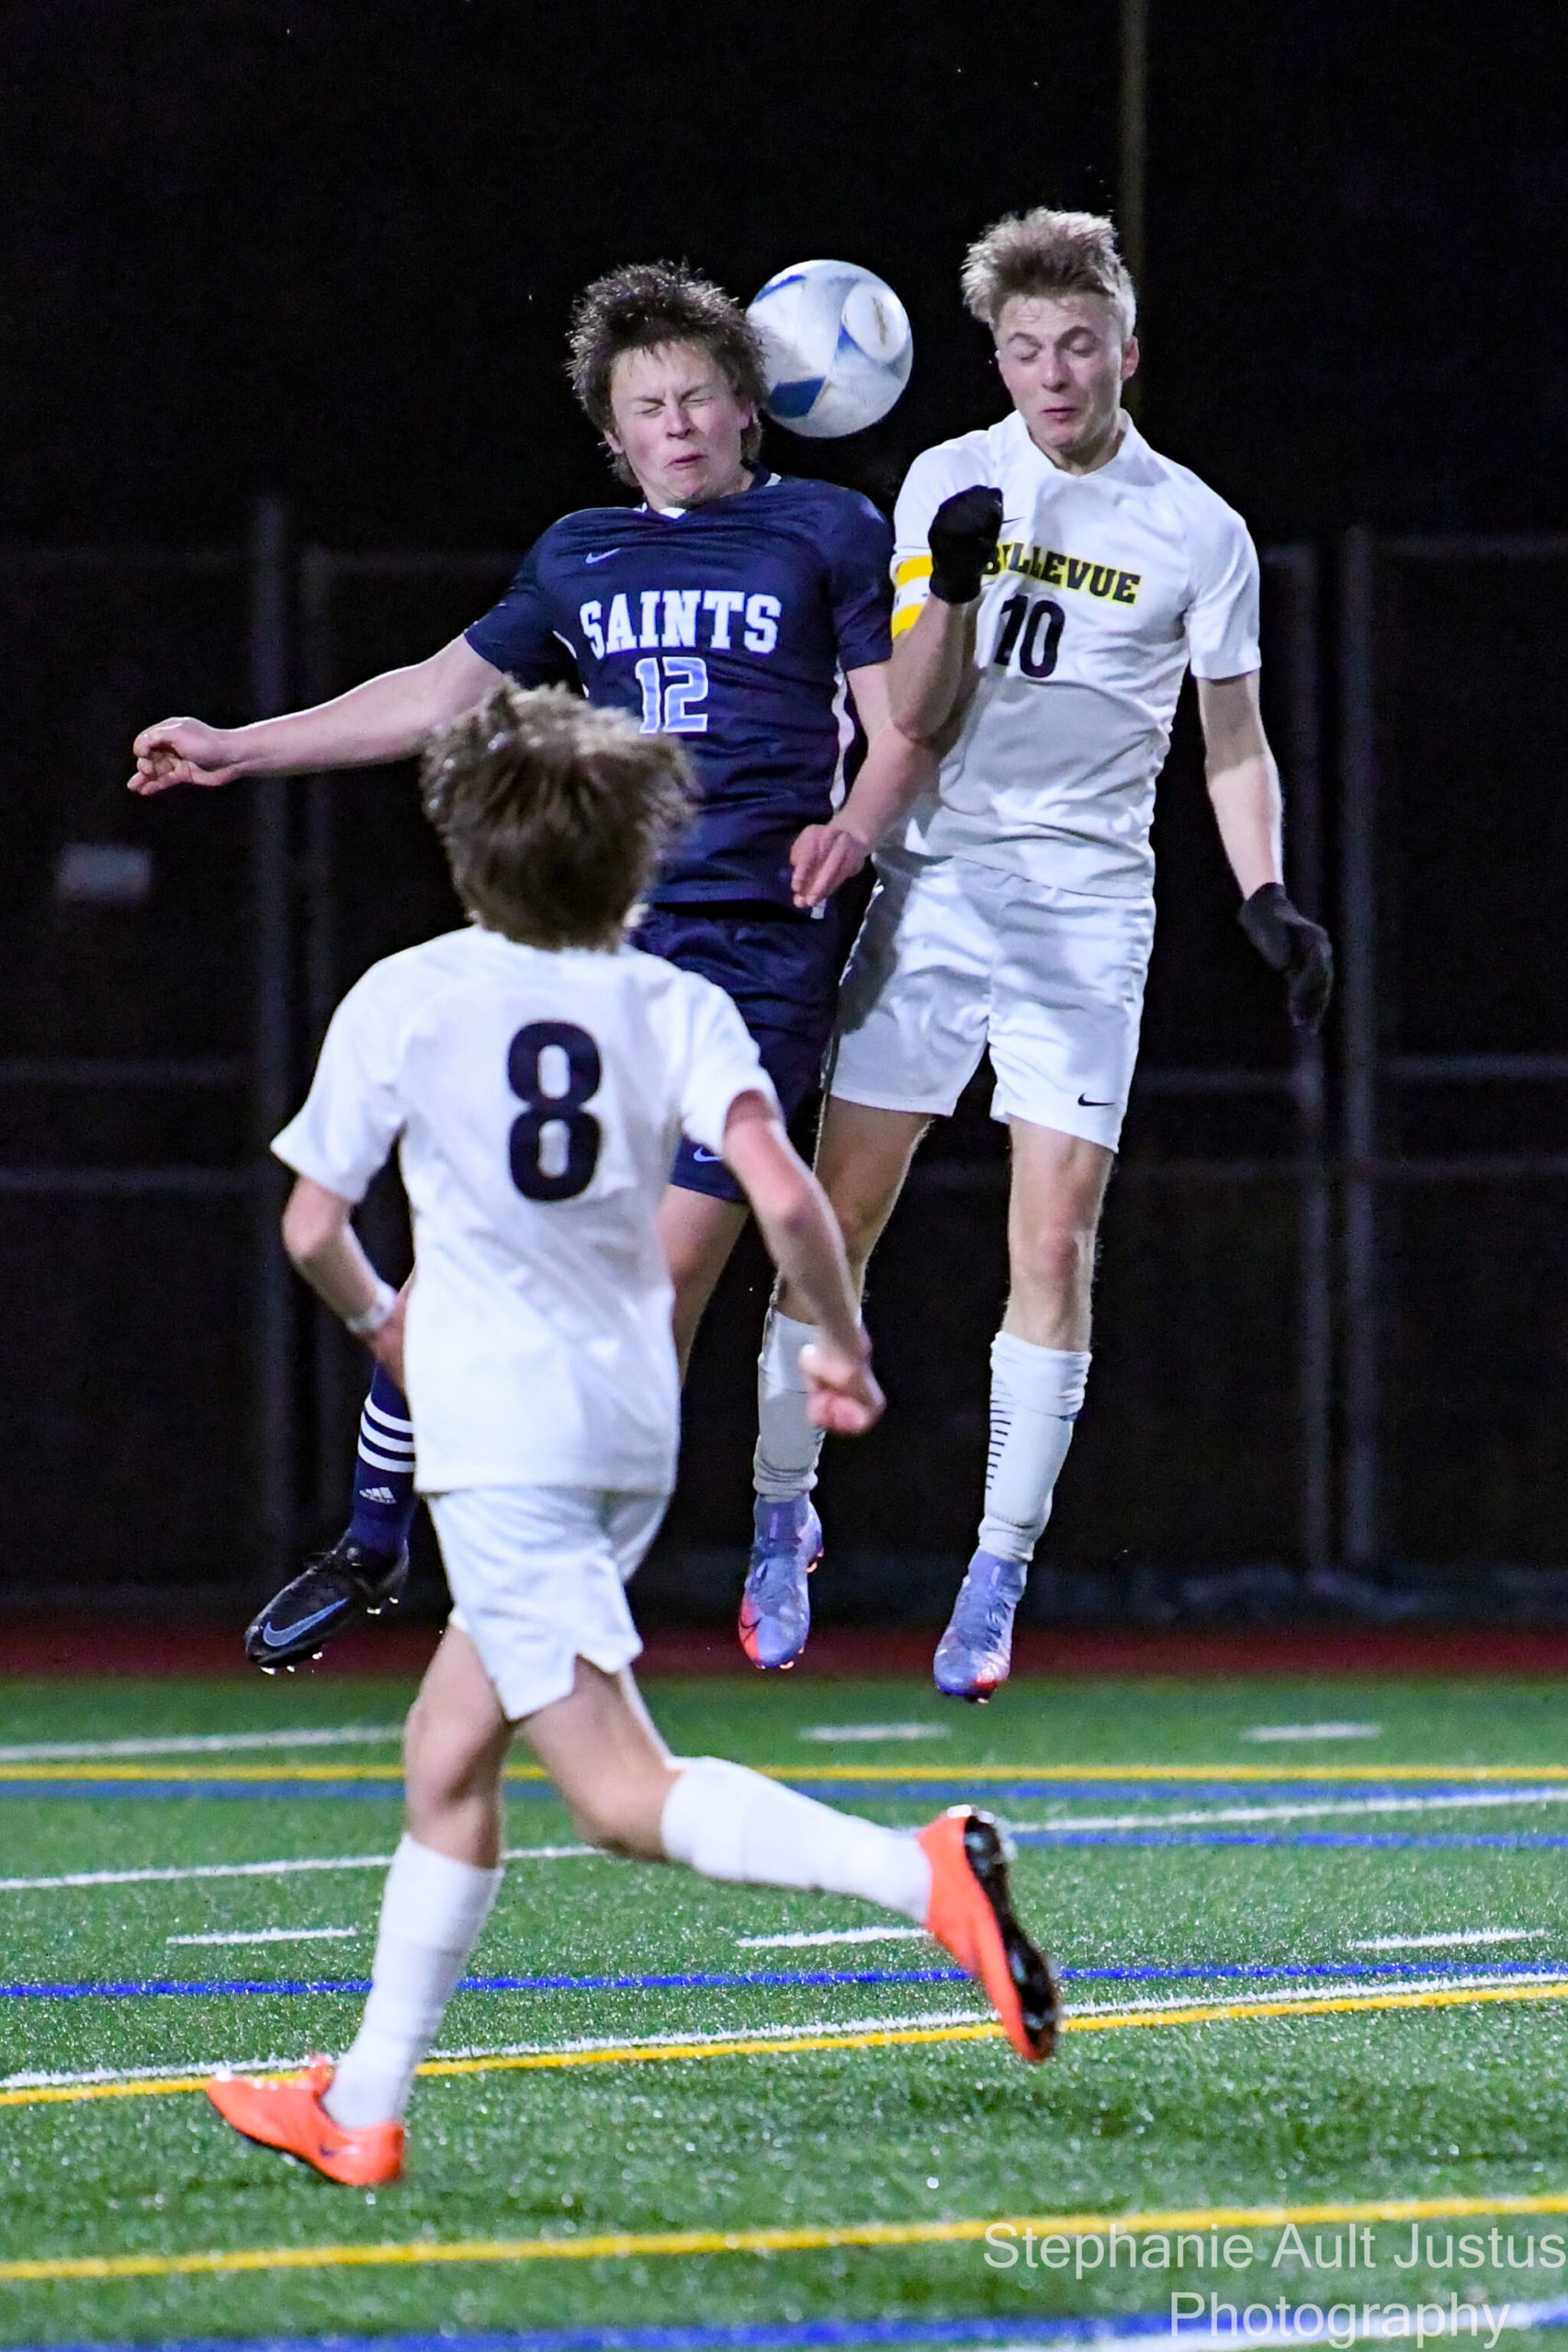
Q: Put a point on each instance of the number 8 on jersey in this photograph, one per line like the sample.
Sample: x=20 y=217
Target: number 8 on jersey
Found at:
x=554 y=1144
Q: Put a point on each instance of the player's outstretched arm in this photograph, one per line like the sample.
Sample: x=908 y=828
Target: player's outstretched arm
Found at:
x=804 y=1242
x=824 y=857
x=1244 y=788
x=325 y=1247
x=385 y=718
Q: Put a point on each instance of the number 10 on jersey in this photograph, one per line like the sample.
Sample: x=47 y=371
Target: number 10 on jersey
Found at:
x=672 y=685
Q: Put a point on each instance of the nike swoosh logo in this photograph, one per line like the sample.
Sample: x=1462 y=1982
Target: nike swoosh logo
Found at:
x=305 y=1625
x=601 y=559
x=1090 y=1104
x=708 y=1158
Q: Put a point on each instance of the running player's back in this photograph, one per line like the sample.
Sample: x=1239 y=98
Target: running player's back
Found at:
x=537 y=1097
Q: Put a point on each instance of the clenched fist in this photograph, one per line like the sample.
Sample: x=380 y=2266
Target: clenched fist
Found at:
x=962 y=537
x=182 y=751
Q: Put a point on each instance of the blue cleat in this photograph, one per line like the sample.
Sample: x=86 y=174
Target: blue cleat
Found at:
x=775 y=1608
x=973 y=1657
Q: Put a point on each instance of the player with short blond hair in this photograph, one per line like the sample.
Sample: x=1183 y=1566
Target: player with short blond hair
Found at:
x=534 y=1071
x=1055 y=580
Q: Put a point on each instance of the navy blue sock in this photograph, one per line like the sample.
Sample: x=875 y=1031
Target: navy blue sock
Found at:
x=383 y=1470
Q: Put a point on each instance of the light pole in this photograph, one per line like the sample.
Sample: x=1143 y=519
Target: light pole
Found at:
x=1133 y=149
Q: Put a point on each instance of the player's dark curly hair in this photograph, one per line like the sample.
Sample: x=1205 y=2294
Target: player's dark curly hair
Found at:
x=553 y=815
x=645 y=306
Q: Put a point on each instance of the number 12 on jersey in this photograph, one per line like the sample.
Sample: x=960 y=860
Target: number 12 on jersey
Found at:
x=672 y=685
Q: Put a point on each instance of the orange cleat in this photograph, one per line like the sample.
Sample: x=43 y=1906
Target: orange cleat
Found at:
x=286 y=2112
x=971 y=1915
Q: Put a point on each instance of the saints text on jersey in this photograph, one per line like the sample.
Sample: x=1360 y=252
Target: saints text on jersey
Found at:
x=665 y=616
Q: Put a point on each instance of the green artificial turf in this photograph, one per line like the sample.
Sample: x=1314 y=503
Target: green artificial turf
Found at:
x=1451 y=2101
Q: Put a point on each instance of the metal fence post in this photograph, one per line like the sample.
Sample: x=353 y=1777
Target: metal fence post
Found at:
x=272 y=1039
x=1361 y=1033
x=334 y=1361
x=1302 y=746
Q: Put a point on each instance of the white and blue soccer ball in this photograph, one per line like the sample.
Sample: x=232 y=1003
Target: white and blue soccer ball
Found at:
x=837 y=346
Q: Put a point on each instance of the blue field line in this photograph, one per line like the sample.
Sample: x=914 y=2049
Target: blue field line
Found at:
x=783 y=2336
x=844 y=2335
x=778 y=1979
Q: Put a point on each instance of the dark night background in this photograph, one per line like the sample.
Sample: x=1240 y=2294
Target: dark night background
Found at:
x=325 y=254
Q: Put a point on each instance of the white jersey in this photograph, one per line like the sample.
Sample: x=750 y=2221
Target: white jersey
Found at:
x=1107 y=586
x=537 y=1099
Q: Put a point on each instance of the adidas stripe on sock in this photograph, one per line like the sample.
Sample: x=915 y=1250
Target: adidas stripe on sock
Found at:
x=383 y=1469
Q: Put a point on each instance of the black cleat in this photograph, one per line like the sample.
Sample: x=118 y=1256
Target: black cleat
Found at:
x=334 y=1589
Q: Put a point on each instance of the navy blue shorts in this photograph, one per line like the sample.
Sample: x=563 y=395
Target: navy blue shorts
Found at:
x=781 y=972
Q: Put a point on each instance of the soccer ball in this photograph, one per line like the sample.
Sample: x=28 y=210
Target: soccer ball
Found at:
x=837 y=344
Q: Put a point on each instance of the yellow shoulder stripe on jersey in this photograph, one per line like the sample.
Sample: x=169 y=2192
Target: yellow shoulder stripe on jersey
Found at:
x=914 y=567
x=906 y=617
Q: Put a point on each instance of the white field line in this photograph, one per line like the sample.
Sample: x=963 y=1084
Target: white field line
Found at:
x=801 y=1939
x=1219 y=1991
x=1195 y=1997
x=852 y=1735
x=1303 y=1810
x=275 y=1936
x=220 y=1743
x=1191 y=1817
x=266 y=1870
x=732 y=2033
x=32 y=2082
x=1314 y=1731
x=1453 y=1935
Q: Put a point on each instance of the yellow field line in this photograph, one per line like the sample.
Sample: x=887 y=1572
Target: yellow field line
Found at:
x=622 y=2245
x=928 y=1774
x=635 y=2053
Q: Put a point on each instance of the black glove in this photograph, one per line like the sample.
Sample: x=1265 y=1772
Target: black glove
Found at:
x=963 y=534
x=1284 y=938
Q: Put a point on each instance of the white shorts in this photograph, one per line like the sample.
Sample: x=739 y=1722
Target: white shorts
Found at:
x=953 y=956
x=538 y=1578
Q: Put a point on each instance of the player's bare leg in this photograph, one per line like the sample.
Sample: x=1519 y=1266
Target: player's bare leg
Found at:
x=630 y=1796
x=697 y=1235
x=863 y=1157
x=454 y=1745
x=1039 y=1366
x=347 y=2120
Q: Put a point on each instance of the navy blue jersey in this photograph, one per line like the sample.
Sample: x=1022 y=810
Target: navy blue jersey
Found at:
x=729 y=625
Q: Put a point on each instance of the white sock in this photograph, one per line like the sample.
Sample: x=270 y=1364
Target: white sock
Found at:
x=432 y=1914
x=1036 y=1395
x=727 y=1823
x=788 y=1444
